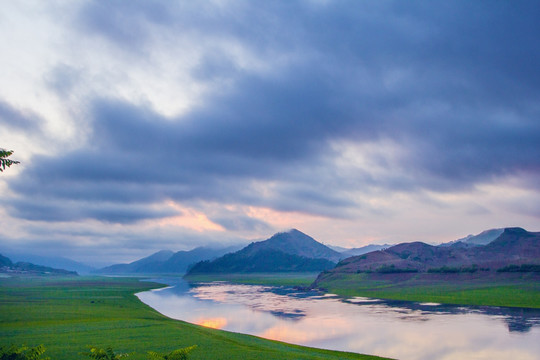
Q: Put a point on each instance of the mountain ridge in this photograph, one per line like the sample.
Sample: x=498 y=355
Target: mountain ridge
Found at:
x=21 y=267
x=484 y=238
x=55 y=262
x=514 y=246
x=295 y=242
x=166 y=261
x=284 y=251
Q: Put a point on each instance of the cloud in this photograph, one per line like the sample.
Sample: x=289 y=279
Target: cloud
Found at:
x=52 y=210
x=271 y=127
x=325 y=109
x=18 y=119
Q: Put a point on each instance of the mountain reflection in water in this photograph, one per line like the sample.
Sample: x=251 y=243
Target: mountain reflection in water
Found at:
x=398 y=329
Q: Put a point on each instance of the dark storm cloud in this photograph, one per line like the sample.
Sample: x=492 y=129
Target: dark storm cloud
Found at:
x=126 y=24
x=18 y=119
x=50 y=210
x=455 y=84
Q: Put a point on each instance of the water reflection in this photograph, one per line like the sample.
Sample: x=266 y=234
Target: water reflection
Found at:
x=517 y=319
x=398 y=329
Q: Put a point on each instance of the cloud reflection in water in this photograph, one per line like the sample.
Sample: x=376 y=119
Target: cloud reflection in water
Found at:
x=395 y=329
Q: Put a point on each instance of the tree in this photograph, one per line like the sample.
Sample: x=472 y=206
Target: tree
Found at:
x=4 y=161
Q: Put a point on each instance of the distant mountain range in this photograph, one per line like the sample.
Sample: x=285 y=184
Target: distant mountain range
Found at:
x=21 y=267
x=513 y=248
x=362 y=250
x=484 y=238
x=166 y=261
x=287 y=251
x=53 y=262
x=296 y=251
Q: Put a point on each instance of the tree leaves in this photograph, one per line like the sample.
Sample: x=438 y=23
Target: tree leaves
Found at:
x=4 y=161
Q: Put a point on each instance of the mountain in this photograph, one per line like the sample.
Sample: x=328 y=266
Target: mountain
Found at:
x=287 y=251
x=5 y=261
x=138 y=266
x=484 y=238
x=363 y=250
x=513 y=247
x=53 y=262
x=181 y=260
x=166 y=261
x=7 y=266
x=295 y=242
x=339 y=249
x=348 y=252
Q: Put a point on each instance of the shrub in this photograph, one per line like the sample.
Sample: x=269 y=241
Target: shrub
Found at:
x=520 y=268
x=392 y=269
x=22 y=353
x=179 y=354
x=104 y=354
x=454 y=270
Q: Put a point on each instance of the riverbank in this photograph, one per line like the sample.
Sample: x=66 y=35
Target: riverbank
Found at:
x=509 y=290
x=69 y=314
x=303 y=279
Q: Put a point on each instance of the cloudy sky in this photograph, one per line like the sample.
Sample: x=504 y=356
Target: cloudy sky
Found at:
x=148 y=125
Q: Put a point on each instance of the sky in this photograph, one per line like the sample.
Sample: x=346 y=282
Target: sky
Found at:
x=150 y=125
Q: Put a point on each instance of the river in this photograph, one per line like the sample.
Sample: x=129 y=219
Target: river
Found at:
x=396 y=329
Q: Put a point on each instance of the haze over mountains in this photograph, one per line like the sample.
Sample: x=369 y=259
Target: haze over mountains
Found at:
x=53 y=262
x=166 y=261
x=484 y=238
x=22 y=267
x=345 y=253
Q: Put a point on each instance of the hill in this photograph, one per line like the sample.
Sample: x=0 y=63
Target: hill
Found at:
x=7 y=266
x=513 y=247
x=181 y=260
x=287 y=251
x=166 y=261
x=138 y=266
x=295 y=242
x=5 y=261
x=53 y=262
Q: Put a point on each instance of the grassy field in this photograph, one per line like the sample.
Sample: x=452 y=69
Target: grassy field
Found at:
x=513 y=290
x=274 y=279
x=69 y=314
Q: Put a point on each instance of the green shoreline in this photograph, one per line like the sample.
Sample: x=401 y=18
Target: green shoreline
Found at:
x=69 y=314
x=303 y=279
x=507 y=290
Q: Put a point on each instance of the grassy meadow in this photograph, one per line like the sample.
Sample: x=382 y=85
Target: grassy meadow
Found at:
x=512 y=290
x=67 y=315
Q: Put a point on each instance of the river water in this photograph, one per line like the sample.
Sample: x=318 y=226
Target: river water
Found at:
x=396 y=329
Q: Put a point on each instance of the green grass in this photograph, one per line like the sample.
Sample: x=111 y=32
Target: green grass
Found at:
x=69 y=314
x=462 y=289
x=272 y=279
